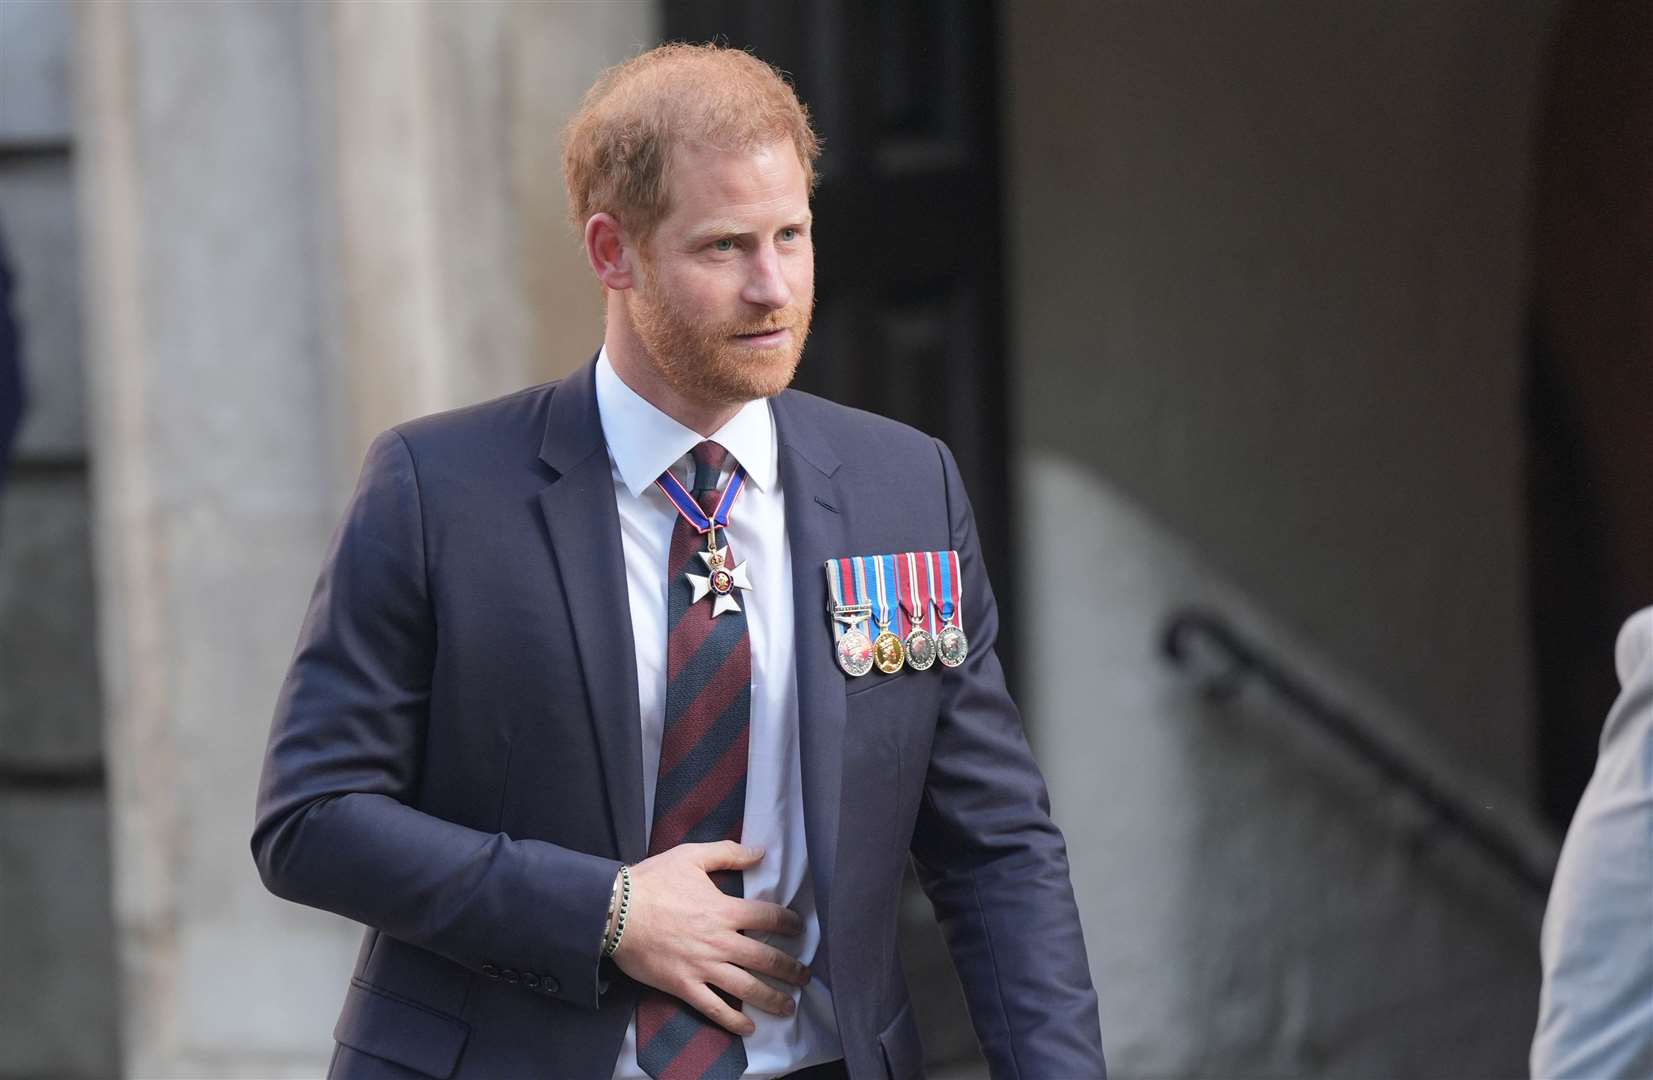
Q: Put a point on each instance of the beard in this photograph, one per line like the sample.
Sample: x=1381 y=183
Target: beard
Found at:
x=700 y=358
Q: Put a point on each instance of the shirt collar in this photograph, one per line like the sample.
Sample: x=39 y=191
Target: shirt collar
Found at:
x=644 y=442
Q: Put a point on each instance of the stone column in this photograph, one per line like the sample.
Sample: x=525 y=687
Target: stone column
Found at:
x=57 y=1003
x=211 y=488
x=303 y=223
x=460 y=278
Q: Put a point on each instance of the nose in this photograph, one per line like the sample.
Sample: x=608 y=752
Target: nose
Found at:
x=765 y=283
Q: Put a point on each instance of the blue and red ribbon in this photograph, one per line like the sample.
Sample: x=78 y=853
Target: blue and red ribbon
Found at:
x=690 y=509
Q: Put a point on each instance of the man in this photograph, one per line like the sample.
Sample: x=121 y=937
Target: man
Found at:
x=1595 y=1016
x=571 y=645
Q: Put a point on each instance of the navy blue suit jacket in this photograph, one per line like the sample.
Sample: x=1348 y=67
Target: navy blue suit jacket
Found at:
x=455 y=757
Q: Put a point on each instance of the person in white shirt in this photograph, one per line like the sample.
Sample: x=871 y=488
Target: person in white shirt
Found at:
x=1595 y=1018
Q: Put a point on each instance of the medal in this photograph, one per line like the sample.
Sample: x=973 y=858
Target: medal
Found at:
x=853 y=647
x=915 y=601
x=887 y=652
x=722 y=577
x=896 y=611
x=952 y=647
x=854 y=652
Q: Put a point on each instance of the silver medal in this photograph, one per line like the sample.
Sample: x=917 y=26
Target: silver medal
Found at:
x=921 y=649
x=855 y=652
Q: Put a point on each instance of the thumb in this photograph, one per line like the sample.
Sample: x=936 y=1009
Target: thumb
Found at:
x=728 y=855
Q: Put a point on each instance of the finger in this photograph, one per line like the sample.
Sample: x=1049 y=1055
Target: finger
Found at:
x=763 y=959
x=766 y=918
x=752 y=990
x=718 y=1011
x=727 y=855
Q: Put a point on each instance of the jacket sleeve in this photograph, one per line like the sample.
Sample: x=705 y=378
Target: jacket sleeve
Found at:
x=994 y=864
x=335 y=828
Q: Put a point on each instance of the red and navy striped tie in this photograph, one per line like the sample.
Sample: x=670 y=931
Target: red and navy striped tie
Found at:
x=700 y=796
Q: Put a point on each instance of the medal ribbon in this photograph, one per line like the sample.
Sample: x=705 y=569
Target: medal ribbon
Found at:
x=691 y=511
x=891 y=573
x=859 y=564
x=841 y=584
x=930 y=591
x=897 y=601
x=912 y=602
x=957 y=592
x=882 y=613
x=944 y=598
x=841 y=580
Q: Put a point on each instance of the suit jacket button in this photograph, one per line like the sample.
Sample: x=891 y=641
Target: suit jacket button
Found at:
x=490 y=971
x=530 y=980
x=510 y=976
x=549 y=985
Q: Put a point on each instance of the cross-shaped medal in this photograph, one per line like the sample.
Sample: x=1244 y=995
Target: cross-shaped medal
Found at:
x=720 y=579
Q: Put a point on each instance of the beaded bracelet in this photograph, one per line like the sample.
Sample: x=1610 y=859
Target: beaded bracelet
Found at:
x=613 y=943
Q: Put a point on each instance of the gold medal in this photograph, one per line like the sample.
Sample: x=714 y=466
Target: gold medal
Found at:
x=887 y=652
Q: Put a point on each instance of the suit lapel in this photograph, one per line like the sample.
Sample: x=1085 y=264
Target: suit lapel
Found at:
x=583 y=525
x=815 y=533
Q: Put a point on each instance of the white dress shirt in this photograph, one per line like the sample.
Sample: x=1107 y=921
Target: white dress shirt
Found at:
x=644 y=442
x=1595 y=1013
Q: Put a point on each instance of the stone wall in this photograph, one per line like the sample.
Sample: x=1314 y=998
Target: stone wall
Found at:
x=57 y=1000
x=304 y=222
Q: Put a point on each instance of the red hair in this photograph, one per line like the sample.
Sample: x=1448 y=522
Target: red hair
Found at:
x=617 y=147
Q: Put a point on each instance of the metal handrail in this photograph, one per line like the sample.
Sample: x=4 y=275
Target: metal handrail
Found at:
x=1245 y=660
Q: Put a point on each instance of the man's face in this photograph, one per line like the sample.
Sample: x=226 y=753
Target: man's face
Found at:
x=728 y=281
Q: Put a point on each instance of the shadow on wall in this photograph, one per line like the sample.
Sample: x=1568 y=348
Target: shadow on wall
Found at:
x=1234 y=866
x=11 y=364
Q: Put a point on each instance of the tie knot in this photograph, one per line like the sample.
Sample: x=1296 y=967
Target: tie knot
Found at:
x=708 y=466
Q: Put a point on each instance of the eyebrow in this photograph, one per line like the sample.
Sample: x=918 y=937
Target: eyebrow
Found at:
x=735 y=228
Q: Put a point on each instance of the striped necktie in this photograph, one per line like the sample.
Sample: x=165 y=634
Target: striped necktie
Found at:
x=700 y=796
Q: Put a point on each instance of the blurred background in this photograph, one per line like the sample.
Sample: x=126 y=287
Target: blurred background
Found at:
x=1297 y=354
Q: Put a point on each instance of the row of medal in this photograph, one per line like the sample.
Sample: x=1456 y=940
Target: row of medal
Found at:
x=912 y=603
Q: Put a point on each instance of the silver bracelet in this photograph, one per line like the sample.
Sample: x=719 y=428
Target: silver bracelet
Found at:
x=608 y=916
x=613 y=943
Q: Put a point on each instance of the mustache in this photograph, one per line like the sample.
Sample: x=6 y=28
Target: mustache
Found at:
x=768 y=327
x=792 y=318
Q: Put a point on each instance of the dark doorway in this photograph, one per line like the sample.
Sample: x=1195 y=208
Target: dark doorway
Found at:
x=1590 y=437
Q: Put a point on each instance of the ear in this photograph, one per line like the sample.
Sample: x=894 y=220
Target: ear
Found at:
x=610 y=252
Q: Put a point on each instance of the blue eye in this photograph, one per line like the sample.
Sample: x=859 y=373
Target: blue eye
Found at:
x=724 y=244
x=789 y=233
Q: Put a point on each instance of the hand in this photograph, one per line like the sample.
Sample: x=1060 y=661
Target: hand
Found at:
x=683 y=935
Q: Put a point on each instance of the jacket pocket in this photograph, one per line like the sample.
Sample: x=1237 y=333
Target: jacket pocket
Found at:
x=903 y=1052
x=409 y=1035
x=874 y=680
